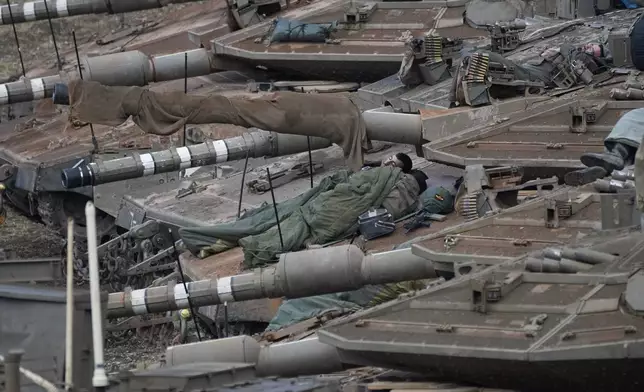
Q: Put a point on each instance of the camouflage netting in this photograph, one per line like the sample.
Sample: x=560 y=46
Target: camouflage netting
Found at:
x=323 y=214
x=331 y=116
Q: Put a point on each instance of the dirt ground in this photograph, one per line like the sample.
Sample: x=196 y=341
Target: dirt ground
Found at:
x=27 y=237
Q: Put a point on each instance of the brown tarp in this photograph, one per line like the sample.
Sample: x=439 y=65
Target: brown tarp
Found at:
x=331 y=116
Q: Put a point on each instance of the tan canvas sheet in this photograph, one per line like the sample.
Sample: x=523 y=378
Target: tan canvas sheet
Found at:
x=331 y=116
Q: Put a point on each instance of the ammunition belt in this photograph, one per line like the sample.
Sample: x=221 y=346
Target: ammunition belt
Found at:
x=433 y=47
x=477 y=68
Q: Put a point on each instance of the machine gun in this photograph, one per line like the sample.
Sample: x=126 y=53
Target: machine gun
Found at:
x=486 y=191
x=431 y=57
x=480 y=72
x=504 y=36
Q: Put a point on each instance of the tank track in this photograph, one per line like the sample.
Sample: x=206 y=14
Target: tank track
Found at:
x=51 y=209
x=48 y=205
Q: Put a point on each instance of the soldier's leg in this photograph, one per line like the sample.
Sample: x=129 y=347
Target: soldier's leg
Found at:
x=584 y=176
x=614 y=158
x=599 y=165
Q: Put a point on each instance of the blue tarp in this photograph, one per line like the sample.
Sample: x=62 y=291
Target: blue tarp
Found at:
x=629 y=4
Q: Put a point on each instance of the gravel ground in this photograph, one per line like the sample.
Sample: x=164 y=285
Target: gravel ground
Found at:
x=135 y=353
x=28 y=238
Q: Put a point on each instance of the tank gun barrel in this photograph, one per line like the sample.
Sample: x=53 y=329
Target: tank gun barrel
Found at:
x=132 y=68
x=257 y=144
x=296 y=275
x=379 y=124
x=36 y=10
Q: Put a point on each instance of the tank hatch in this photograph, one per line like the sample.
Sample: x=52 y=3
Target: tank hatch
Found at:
x=545 y=137
x=507 y=327
x=357 y=41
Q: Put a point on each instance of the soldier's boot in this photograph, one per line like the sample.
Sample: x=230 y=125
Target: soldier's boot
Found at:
x=584 y=176
x=613 y=159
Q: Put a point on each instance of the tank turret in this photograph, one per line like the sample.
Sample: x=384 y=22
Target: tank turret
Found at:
x=37 y=10
x=296 y=275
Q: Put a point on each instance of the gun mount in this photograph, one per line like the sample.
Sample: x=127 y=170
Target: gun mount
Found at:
x=134 y=68
x=504 y=36
x=430 y=59
x=487 y=191
x=480 y=75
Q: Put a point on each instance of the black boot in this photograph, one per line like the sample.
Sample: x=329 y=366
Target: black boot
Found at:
x=584 y=176
x=615 y=159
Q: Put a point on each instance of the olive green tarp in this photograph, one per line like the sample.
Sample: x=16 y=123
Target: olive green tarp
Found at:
x=296 y=310
x=330 y=116
x=323 y=214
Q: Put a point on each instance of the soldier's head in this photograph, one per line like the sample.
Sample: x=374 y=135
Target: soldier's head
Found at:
x=401 y=160
x=596 y=50
x=421 y=179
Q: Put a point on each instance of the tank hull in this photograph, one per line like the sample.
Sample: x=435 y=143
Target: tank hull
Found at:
x=539 y=331
x=547 y=139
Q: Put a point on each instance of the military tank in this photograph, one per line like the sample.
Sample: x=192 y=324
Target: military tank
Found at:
x=201 y=200
x=37 y=152
x=436 y=125
x=552 y=245
x=559 y=238
x=555 y=293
